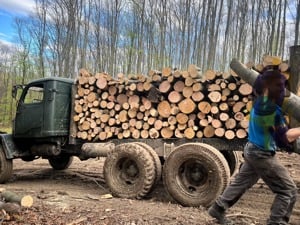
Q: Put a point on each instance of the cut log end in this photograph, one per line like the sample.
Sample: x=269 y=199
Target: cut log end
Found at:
x=187 y=106
x=26 y=201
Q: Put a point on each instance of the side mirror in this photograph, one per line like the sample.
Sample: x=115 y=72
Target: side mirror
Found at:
x=14 y=92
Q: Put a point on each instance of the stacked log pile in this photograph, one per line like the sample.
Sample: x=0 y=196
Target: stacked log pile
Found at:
x=165 y=104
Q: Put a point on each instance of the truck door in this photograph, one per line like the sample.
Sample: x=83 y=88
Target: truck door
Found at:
x=29 y=115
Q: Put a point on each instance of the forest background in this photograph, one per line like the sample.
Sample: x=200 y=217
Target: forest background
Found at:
x=133 y=36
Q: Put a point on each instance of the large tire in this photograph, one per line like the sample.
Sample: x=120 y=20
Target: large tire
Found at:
x=60 y=162
x=157 y=163
x=6 y=167
x=232 y=159
x=195 y=174
x=129 y=171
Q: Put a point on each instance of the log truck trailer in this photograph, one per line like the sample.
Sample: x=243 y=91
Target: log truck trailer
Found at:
x=194 y=171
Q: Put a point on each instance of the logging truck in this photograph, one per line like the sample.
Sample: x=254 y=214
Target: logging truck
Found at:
x=51 y=123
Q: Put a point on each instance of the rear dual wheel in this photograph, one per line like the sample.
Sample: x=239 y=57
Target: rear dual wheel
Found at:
x=195 y=174
x=232 y=159
x=155 y=158
x=130 y=171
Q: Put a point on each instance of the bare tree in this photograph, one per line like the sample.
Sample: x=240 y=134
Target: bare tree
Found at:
x=283 y=30
x=297 y=24
x=25 y=45
x=37 y=27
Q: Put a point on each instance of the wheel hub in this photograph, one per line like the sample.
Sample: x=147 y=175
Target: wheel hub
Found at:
x=128 y=170
x=192 y=174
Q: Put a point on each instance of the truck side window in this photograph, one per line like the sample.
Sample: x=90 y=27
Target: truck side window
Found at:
x=34 y=94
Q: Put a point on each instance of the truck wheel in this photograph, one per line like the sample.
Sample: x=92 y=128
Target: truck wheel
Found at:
x=232 y=159
x=157 y=163
x=195 y=174
x=60 y=162
x=129 y=171
x=6 y=167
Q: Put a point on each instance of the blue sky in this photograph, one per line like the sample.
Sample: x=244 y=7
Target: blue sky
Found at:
x=8 y=10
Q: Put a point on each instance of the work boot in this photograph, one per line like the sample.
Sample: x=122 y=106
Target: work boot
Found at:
x=218 y=213
x=277 y=223
x=269 y=222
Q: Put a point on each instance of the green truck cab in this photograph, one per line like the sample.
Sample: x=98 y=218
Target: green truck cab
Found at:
x=40 y=126
x=44 y=109
x=43 y=124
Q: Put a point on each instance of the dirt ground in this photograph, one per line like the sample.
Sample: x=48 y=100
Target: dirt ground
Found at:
x=79 y=196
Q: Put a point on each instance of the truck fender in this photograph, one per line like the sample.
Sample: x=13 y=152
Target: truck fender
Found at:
x=8 y=145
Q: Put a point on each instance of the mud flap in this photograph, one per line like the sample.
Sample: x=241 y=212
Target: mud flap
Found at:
x=9 y=147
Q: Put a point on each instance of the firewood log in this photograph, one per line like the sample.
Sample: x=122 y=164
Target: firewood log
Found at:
x=204 y=107
x=199 y=134
x=164 y=86
x=144 y=134
x=197 y=96
x=153 y=133
x=220 y=132
x=178 y=86
x=215 y=96
x=197 y=86
x=187 y=106
x=167 y=71
x=194 y=71
x=166 y=132
x=174 y=97
x=187 y=92
x=182 y=118
x=208 y=131
x=101 y=82
x=22 y=200
x=164 y=109
x=229 y=134
x=245 y=89
x=189 y=133
x=241 y=133
x=178 y=133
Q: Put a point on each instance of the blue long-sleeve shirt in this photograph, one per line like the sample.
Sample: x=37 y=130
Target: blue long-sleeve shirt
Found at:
x=267 y=125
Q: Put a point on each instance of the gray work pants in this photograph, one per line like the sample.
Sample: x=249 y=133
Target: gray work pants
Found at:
x=262 y=164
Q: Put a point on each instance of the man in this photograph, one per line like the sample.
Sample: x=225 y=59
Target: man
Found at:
x=267 y=132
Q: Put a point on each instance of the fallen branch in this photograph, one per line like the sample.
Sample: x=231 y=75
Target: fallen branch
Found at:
x=77 y=221
x=242 y=215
